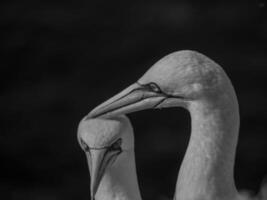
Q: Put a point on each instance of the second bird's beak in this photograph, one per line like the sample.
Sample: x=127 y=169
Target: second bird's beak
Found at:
x=134 y=98
x=97 y=166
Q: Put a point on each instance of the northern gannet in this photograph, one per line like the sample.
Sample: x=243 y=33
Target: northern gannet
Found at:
x=191 y=80
x=109 y=148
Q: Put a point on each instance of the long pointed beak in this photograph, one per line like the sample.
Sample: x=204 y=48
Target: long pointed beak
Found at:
x=134 y=98
x=97 y=168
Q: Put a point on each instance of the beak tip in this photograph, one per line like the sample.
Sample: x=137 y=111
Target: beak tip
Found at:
x=91 y=115
x=99 y=113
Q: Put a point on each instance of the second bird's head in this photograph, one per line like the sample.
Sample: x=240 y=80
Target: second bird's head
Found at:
x=106 y=143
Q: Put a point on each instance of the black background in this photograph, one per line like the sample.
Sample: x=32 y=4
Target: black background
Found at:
x=59 y=59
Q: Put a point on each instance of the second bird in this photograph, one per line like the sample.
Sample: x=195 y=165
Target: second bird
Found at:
x=109 y=148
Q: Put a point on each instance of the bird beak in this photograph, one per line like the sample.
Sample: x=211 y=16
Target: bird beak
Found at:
x=97 y=166
x=134 y=98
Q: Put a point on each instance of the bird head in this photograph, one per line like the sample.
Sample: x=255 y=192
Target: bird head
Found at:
x=103 y=141
x=175 y=80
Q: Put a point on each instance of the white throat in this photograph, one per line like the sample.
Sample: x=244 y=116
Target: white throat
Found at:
x=207 y=169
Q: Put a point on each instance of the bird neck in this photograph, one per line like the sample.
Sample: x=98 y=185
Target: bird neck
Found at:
x=120 y=180
x=207 y=169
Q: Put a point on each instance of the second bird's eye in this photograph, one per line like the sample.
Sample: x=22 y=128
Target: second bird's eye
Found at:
x=154 y=87
x=116 y=146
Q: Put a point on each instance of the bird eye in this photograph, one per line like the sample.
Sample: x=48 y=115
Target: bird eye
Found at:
x=85 y=147
x=116 y=146
x=154 y=87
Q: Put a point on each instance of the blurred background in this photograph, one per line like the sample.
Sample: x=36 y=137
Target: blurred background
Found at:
x=59 y=59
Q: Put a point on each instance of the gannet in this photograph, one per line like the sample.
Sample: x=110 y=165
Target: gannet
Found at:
x=109 y=148
x=191 y=80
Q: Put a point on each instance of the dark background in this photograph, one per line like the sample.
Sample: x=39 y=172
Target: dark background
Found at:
x=59 y=59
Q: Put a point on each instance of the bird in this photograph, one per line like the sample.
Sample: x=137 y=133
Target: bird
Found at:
x=109 y=148
x=195 y=82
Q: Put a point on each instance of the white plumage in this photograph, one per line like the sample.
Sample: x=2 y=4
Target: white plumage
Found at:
x=191 y=80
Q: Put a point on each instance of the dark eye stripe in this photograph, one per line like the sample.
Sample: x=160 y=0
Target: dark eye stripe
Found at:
x=116 y=146
x=154 y=87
